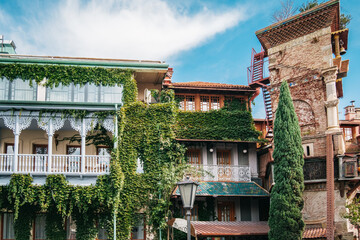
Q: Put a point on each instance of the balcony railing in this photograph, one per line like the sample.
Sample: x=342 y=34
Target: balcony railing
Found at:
x=58 y=164
x=223 y=172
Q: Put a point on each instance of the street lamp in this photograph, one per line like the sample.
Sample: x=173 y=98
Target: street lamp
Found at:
x=187 y=192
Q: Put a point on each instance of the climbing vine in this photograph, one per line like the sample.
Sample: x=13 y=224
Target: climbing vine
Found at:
x=57 y=75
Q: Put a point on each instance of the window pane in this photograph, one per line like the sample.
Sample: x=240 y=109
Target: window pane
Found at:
x=181 y=100
x=8 y=226
x=190 y=103
x=205 y=103
x=73 y=150
x=59 y=94
x=40 y=227
x=92 y=93
x=21 y=90
x=103 y=151
x=111 y=94
x=79 y=93
x=215 y=103
x=4 y=89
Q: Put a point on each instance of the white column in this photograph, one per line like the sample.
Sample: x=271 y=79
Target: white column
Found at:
x=50 y=140
x=16 y=143
x=331 y=103
x=83 y=145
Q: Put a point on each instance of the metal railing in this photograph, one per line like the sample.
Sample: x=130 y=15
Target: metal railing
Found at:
x=223 y=172
x=58 y=164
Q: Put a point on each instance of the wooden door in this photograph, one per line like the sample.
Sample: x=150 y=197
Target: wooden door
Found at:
x=226 y=211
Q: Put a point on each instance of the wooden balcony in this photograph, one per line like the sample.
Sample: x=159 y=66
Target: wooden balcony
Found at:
x=44 y=164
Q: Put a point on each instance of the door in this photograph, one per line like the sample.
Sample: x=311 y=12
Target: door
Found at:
x=226 y=211
x=39 y=161
x=223 y=158
x=73 y=158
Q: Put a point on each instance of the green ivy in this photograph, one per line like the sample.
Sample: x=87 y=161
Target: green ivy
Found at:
x=66 y=75
x=217 y=124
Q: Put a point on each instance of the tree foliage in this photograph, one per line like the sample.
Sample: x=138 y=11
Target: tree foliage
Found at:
x=285 y=218
x=287 y=10
x=344 y=18
x=354 y=212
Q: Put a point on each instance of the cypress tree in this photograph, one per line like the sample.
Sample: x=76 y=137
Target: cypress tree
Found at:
x=285 y=218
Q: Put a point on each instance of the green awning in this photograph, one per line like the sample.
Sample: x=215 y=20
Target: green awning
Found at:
x=229 y=189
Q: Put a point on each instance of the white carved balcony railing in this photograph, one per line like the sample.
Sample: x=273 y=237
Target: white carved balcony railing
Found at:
x=60 y=164
x=223 y=172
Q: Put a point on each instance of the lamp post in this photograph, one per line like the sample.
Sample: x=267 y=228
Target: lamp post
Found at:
x=187 y=192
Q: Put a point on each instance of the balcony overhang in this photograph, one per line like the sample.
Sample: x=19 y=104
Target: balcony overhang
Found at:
x=234 y=189
x=45 y=105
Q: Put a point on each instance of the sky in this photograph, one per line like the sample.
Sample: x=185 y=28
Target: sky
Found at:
x=202 y=40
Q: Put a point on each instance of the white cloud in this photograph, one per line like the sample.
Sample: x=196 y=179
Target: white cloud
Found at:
x=139 y=29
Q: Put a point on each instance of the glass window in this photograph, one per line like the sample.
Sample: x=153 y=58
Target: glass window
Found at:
x=17 y=90
x=348 y=134
x=204 y=103
x=21 y=90
x=103 y=151
x=111 y=94
x=8 y=226
x=59 y=94
x=92 y=93
x=223 y=157
x=79 y=93
x=73 y=150
x=40 y=227
x=181 y=100
x=194 y=213
x=140 y=166
x=9 y=148
x=190 y=103
x=4 y=89
x=193 y=156
x=215 y=103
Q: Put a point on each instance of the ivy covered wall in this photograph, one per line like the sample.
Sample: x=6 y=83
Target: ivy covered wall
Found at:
x=146 y=132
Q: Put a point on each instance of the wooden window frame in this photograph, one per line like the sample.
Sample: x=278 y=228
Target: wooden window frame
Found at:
x=194 y=151
x=231 y=206
x=222 y=151
x=222 y=98
x=194 y=213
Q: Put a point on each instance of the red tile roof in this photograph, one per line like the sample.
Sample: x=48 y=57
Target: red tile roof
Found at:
x=230 y=228
x=243 y=228
x=314 y=233
x=208 y=85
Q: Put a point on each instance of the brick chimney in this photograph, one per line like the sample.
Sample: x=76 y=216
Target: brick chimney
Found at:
x=350 y=113
x=7 y=46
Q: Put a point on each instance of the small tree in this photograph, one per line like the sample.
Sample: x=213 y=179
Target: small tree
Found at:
x=287 y=10
x=353 y=213
x=285 y=218
x=344 y=19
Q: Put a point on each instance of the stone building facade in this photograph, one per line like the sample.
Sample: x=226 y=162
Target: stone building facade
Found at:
x=304 y=50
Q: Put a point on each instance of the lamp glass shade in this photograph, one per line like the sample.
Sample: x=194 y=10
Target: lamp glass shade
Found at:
x=187 y=192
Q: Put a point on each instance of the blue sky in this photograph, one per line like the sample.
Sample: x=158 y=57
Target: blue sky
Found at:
x=202 y=40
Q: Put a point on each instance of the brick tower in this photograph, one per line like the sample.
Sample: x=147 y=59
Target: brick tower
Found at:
x=305 y=50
